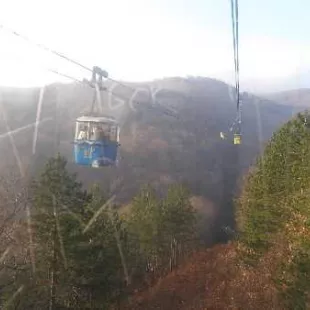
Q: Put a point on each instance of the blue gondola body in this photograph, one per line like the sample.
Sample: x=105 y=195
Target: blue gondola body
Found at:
x=98 y=152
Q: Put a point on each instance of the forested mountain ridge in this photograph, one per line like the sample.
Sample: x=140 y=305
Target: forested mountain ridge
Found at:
x=155 y=148
x=72 y=233
x=268 y=263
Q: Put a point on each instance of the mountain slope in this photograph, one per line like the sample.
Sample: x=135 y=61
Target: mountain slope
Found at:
x=273 y=211
x=156 y=148
x=211 y=279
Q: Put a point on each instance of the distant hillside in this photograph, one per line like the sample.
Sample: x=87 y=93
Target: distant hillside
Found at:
x=156 y=148
x=299 y=98
x=298 y=80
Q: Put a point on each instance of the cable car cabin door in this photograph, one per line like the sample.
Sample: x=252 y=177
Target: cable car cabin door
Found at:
x=95 y=148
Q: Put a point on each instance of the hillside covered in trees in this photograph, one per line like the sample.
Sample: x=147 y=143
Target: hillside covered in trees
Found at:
x=267 y=265
x=155 y=148
x=136 y=234
x=76 y=251
x=274 y=211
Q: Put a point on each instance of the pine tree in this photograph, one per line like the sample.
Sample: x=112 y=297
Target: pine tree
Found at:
x=98 y=270
x=77 y=259
x=58 y=202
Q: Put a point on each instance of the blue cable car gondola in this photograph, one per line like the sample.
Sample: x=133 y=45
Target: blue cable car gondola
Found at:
x=96 y=141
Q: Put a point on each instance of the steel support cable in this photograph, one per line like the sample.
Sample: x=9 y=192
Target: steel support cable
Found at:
x=235 y=29
x=54 y=52
x=41 y=46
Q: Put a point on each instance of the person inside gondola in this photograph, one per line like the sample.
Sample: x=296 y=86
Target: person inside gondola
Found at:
x=83 y=133
x=95 y=133
x=100 y=133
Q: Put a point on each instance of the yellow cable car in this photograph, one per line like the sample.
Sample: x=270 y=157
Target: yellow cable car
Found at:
x=237 y=138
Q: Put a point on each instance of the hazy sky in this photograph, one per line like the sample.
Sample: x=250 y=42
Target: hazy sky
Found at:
x=146 y=39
